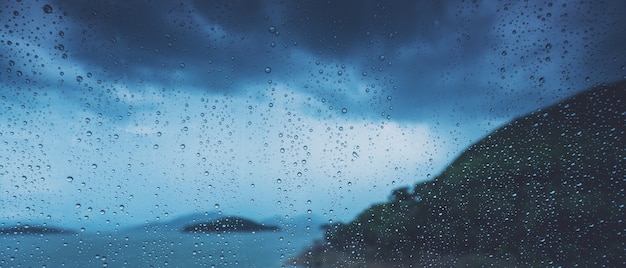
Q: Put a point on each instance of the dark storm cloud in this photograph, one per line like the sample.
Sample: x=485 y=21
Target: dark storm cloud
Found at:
x=208 y=43
x=340 y=26
x=514 y=58
x=233 y=34
x=433 y=50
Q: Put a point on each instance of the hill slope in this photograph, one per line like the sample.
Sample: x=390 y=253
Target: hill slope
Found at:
x=546 y=189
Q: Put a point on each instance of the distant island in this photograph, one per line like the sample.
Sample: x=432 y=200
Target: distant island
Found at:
x=34 y=230
x=228 y=224
x=546 y=189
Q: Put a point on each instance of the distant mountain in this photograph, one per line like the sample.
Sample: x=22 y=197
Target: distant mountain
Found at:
x=34 y=230
x=228 y=225
x=547 y=189
x=176 y=224
x=297 y=224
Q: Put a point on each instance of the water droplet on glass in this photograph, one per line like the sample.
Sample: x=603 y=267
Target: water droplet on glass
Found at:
x=47 y=9
x=268 y=70
x=79 y=79
x=344 y=110
x=70 y=179
x=355 y=154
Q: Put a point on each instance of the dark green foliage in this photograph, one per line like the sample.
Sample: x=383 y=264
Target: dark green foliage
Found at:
x=382 y=231
x=228 y=224
x=545 y=189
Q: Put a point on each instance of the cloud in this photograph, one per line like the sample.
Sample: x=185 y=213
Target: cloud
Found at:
x=184 y=105
x=161 y=157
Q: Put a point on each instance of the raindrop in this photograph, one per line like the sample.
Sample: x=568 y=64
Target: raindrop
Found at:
x=47 y=9
x=268 y=70
x=70 y=179
x=79 y=79
x=344 y=110
x=355 y=154
x=94 y=166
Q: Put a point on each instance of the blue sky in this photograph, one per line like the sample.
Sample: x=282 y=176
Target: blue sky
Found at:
x=122 y=113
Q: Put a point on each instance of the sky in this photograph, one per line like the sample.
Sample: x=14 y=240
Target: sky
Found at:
x=124 y=112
